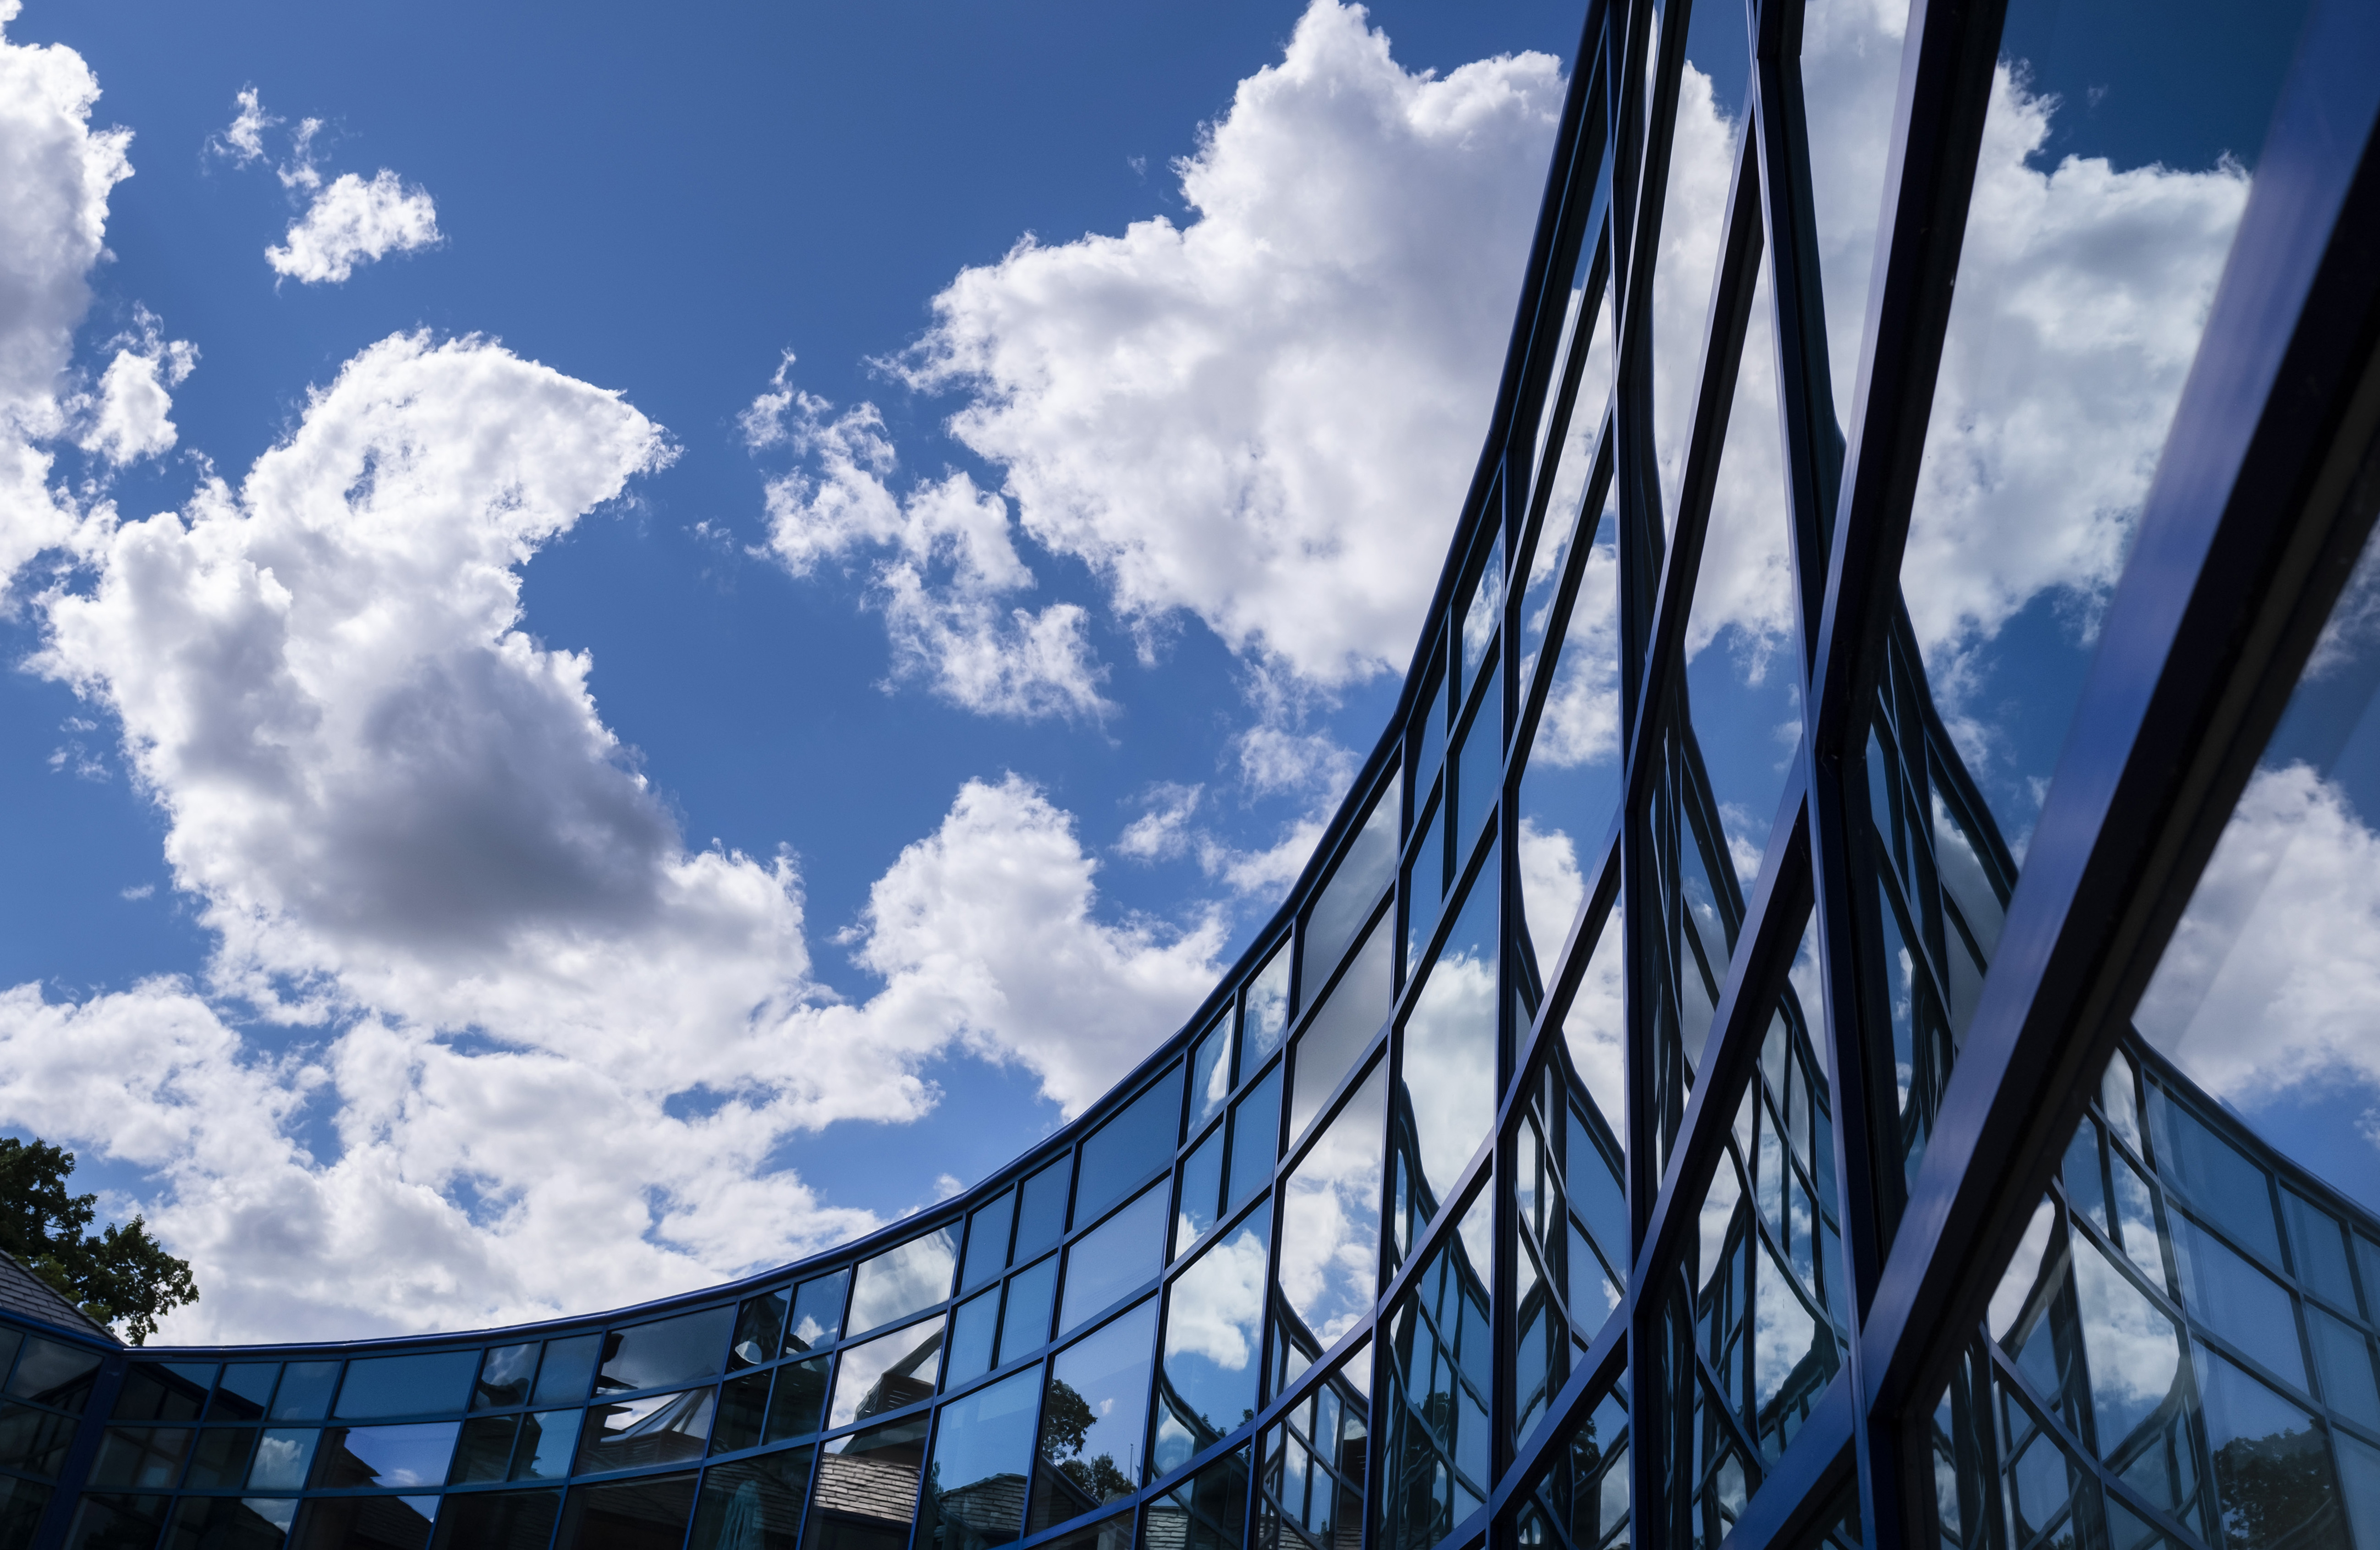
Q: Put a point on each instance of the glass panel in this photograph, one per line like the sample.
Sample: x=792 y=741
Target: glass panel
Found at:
x=1208 y=1511
x=2272 y=1469
x=1481 y=607
x=220 y=1462
x=34 y=1440
x=379 y=1386
x=1114 y=1257
x=282 y=1458
x=986 y=1244
x=548 y=1441
x=2214 y=1175
x=1264 y=1011
x=743 y=1411
x=2237 y=1301
x=1424 y=883
x=305 y=1391
x=415 y=1454
x=1331 y=1220
x=1041 y=1210
x=1310 y=1471
x=104 y=1522
x=1032 y=1294
x=2133 y=1351
x=1570 y=786
x=653 y=1429
x=1210 y=1074
x=647 y=1514
x=242 y=1390
x=899 y=1281
x=759 y=1328
x=799 y=1402
x=1440 y=1358
x=1255 y=1138
x=667 y=1352
x=974 y=1489
x=2318 y=1247
x=1446 y=1099
x=975 y=1330
x=1586 y=348
x=1586 y=1489
x=1213 y=1314
x=164 y=1391
x=1346 y=901
x=505 y=1378
x=497 y=1518
x=568 y=1368
x=1114 y=1532
x=1851 y=77
x=368 y=1523
x=1341 y=1028
x=1092 y=1417
x=817 y=1318
x=1138 y=1142
x=148 y=1457
x=229 y=1523
x=1202 y=1190
x=753 y=1503
x=887 y=1372
x=1479 y=765
x=1596 y=1031
x=2342 y=1359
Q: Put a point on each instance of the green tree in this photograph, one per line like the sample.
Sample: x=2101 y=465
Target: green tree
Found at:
x=120 y=1276
x=1066 y=1422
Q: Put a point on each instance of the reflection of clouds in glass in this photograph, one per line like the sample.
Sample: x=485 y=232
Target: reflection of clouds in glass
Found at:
x=901 y=1280
x=2008 y=1297
x=1597 y=1029
x=1552 y=886
x=1214 y=1306
x=913 y=1353
x=1782 y=1330
x=1580 y=720
x=2133 y=1350
x=1450 y=1065
x=1331 y=1225
x=1719 y=1209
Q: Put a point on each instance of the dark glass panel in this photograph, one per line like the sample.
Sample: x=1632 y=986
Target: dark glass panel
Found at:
x=549 y=1442
x=986 y=1244
x=497 y=1520
x=975 y=1487
x=1138 y=1142
x=1425 y=740
x=2271 y=1471
x=33 y=1440
x=1330 y=1222
x=282 y=1459
x=2214 y=1175
x=1479 y=766
x=415 y=1454
x=49 y=1372
x=903 y=1279
x=1207 y=1511
x=753 y=1503
x=666 y=1352
x=229 y=1523
x=1255 y=1138
x=1425 y=884
x=1446 y=1099
x=148 y=1457
x=504 y=1376
x=759 y=1328
x=817 y=1318
x=1032 y=1297
x=799 y=1402
x=1587 y=1491
x=1481 y=608
x=636 y=1433
x=1264 y=1011
x=384 y=1386
x=1210 y=1074
x=305 y=1391
x=1214 y=1313
x=1346 y=901
x=1112 y=1533
x=1435 y=1410
x=887 y=1372
x=1342 y=1026
x=164 y=1391
x=646 y=1514
x=114 y=1522
x=975 y=1334
x=1114 y=1257
x=743 y=1407
x=485 y=1450
x=242 y=1390
x=867 y=1490
x=1092 y=1416
x=1202 y=1190
x=1041 y=1210
x=220 y=1460
x=1310 y=1471
x=2318 y=1247
x=365 y=1523
x=2237 y=1301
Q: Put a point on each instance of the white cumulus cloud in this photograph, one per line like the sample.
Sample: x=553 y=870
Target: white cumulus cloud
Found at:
x=128 y=418
x=351 y=222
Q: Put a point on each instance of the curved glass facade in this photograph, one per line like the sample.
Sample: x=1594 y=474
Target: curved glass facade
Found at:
x=1695 y=1092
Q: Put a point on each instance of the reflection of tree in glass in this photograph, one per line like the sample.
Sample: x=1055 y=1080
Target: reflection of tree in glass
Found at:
x=1066 y=1422
x=2277 y=1489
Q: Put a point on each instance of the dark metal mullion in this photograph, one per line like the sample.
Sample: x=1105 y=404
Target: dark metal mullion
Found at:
x=2262 y=502
x=1592 y=1374
x=1803 y=1481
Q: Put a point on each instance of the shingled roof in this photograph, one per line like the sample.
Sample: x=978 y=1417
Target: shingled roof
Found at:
x=28 y=1296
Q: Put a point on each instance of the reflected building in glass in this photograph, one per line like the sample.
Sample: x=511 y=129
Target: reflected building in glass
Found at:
x=1843 y=1009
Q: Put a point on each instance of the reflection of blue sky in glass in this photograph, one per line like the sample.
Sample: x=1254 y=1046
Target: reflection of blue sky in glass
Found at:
x=1110 y=1369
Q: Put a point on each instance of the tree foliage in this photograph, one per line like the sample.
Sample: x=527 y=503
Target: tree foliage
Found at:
x=1066 y=1422
x=120 y=1276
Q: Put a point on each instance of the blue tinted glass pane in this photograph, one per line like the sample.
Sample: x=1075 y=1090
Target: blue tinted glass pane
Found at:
x=1210 y=1074
x=2343 y=1358
x=2216 y=1176
x=305 y=1391
x=798 y=1403
x=1202 y=1190
x=505 y=1376
x=568 y=1368
x=1255 y=1137
x=51 y=1373
x=1341 y=1027
x=652 y=1512
x=2258 y=1438
x=1092 y=1418
x=867 y=1488
x=753 y=1503
x=149 y=1457
x=2238 y=1301
x=651 y=1429
x=1364 y=870
x=1429 y=745
x=1114 y=1257
x=1264 y=1013
x=1425 y=884
x=987 y=1245
x=817 y=1318
x=1331 y=1221
x=379 y=1386
x=975 y=1490
x=241 y=1392
x=1041 y=1210
x=414 y=1456
x=485 y=1451
x=549 y=1439
x=1032 y=1293
x=667 y=1352
x=220 y=1462
x=743 y=1407
x=759 y=1328
x=2318 y=1246
x=163 y=1391
x=1206 y=1512
x=975 y=1327
x=1479 y=765
x=282 y=1457
x=1138 y=1142
x=1212 y=1314
x=887 y=1372
x=901 y=1280
x=1449 y=1043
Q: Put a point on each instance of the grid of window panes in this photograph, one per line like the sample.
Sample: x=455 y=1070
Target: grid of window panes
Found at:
x=1531 y=1177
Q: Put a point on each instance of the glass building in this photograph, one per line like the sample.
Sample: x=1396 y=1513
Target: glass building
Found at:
x=1833 y=1014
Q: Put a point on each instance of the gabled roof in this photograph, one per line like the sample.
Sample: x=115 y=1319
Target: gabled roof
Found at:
x=28 y=1296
